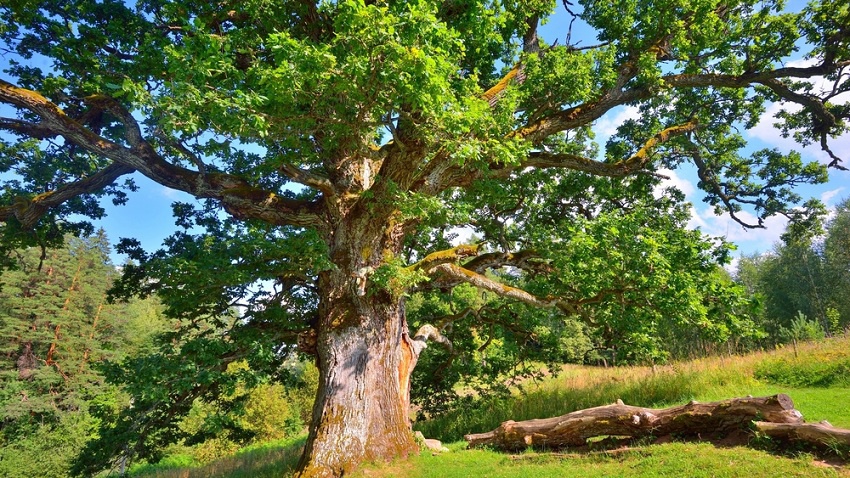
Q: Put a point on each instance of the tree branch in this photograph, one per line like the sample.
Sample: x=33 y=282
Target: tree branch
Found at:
x=29 y=211
x=708 y=177
x=26 y=128
x=632 y=165
x=483 y=282
x=309 y=179
x=429 y=332
x=446 y=256
x=460 y=274
x=588 y=112
x=237 y=196
x=527 y=260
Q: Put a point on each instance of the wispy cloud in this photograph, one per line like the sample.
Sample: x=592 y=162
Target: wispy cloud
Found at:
x=828 y=196
x=674 y=180
x=608 y=124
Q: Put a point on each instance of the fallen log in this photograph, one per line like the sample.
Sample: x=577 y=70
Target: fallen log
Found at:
x=814 y=433
x=692 y=419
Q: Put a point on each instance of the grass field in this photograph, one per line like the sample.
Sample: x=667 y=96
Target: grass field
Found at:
x=818 y=375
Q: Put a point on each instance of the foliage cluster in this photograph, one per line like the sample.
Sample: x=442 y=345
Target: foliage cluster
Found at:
x=265 y=413
x=672 y=300
x=61 y=339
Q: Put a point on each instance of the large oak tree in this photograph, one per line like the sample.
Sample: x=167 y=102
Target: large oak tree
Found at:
x=324 y=138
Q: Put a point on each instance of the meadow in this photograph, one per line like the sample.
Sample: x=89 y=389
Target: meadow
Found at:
x=816 y=375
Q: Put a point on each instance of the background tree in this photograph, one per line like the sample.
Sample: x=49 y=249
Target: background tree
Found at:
x=802 y=277
x=57 y=328
x=322 y=136
x=836 y=256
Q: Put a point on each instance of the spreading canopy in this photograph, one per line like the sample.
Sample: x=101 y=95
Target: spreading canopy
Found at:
x=341 y=142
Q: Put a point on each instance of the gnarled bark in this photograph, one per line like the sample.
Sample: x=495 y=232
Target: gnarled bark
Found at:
x=361 y=410
x=694 y=418
x=364 y=355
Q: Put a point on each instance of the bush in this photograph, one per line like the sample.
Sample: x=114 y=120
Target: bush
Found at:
x=270 y=413
x=802 y=329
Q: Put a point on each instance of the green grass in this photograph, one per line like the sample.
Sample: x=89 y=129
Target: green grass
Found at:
x=675 y=460
x=582 y=387
x=269 y=460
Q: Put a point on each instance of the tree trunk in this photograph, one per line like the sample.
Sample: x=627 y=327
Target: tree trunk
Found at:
x=573 y=429
x=365 y=358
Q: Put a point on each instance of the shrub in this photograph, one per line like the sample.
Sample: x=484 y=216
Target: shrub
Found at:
x=802 y=329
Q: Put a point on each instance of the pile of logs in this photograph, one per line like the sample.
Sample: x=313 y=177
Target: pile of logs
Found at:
x=774 y=416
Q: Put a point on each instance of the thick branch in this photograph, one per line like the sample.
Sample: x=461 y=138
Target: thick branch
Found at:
x=492 y=95
x=631 y=165
x=527 y=260
x=424 y=334
x=449 y=275
x=447 y=256
x=237 y=196
x=309 y=179
x=483 y=282
x=588 y=112
x=29 y=211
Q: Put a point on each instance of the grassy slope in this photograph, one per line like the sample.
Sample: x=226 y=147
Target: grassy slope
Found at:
x=582 y=387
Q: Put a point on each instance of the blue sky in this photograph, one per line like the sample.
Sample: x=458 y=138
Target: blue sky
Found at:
x=147 y=216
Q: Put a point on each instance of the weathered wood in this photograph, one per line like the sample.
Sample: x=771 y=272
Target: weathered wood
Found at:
x=694 y=418
x=815 y=433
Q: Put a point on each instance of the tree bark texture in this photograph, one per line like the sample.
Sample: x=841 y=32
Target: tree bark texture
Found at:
x=361 y=410
x=819 y=434
x=364 y=356
x=692 y=419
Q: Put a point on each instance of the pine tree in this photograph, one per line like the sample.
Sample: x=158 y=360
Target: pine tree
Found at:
x=56 y=326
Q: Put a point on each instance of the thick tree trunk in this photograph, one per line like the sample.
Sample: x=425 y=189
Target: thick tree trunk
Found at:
x=365 y=358
x=692 y=419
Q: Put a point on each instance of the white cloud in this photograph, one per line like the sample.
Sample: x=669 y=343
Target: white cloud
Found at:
x=608 y=124
x=765 y=131
x=748 y=240
x=674 y=180
x=827 y=196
